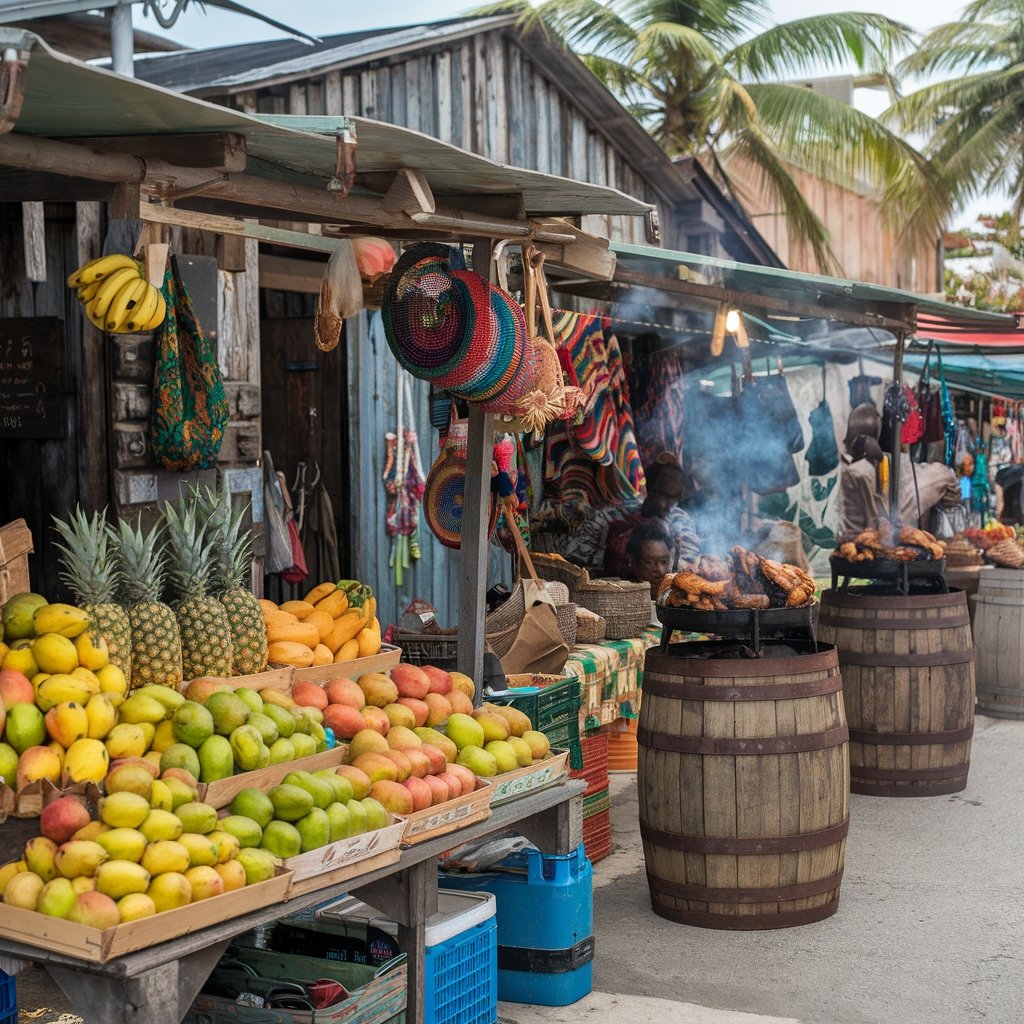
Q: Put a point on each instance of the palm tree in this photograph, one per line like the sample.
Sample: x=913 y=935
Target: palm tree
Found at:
x=972 y=121
x=706 y=77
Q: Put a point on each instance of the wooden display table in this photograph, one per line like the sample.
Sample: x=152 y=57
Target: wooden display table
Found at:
x=157 y=985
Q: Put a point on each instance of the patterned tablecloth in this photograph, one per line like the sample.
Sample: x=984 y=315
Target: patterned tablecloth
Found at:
x=611 y=674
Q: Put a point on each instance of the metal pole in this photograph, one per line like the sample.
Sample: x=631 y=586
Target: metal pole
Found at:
x=894 y=431
x=476 y=504
x=122 y=39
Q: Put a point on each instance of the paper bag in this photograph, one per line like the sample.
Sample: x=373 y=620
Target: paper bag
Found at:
x=538 y=646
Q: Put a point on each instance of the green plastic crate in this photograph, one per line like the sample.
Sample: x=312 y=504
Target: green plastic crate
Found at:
x=378 y=993
x=554 y=710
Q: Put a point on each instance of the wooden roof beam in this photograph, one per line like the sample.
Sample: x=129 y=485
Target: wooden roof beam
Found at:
x=217 y=151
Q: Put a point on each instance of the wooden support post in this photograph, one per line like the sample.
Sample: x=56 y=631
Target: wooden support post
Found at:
x=34 y=228
x=476 y=504
x=894 y=429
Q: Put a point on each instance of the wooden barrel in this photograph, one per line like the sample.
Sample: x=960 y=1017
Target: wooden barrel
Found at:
x=908 y=685
x=999 y=638
x=744 y=786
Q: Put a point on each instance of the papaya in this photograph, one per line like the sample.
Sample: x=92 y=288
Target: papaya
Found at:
x=345 y=628
x=297 y=608
x=335 y=604
x=284 y=652
x=348 y=651
x=368 y=639
x=267 y=606
x=322 y=620
x=322 y=655
x=295 y=632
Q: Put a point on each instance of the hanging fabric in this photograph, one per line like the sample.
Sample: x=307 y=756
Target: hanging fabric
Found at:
x=948 y=414
x=767 y=415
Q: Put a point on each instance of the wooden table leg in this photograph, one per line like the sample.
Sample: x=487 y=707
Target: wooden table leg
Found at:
x=559 y=829
x=408 y=898
x=161 y=995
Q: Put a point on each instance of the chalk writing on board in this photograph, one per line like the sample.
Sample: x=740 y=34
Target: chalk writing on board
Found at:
x=32 y=377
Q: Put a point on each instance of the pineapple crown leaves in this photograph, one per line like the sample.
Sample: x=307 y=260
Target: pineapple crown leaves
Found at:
x=190 y=550
x=232 y=552
x=89 y=568
x=141 y=561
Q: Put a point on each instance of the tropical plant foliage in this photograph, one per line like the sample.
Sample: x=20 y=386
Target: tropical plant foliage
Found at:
x=707 y=78
x=972 y=118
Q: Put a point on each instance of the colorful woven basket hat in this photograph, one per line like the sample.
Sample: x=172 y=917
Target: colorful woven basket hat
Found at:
x=444 y=496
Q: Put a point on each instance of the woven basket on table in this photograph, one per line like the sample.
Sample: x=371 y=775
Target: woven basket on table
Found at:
x=502 y=625
x=624 y=606
x=554 y=567
x=590 y=629
x=566 y=615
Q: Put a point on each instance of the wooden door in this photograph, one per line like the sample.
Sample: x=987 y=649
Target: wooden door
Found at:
x=304 y=398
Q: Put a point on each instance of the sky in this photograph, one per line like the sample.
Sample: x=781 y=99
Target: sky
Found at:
x=200 y=26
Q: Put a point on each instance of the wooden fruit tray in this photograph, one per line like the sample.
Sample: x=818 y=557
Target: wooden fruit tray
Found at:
x=29 y=801
x=512 y=785
x=388 y=657
x=345 y=859
x=441 y=819
x=99 y=946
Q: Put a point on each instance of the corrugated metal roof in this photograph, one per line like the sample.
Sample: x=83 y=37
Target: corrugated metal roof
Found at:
x=65 y=98
x=803 y=291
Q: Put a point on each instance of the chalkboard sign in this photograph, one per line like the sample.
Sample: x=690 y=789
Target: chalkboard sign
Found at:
x=32 y=377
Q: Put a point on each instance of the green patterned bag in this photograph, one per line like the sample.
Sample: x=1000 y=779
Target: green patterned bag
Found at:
x=190 y=409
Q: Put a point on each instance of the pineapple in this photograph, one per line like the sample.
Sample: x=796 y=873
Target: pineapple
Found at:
x=206 y=648
x=156 y=646
x=90 y=572
x=232 y=570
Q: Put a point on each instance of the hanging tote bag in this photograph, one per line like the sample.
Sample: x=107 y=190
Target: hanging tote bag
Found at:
x=822 y=453
x=931 y=404
x=190 y=409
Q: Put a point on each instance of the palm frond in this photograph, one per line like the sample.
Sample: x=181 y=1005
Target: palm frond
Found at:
x=959 y=46
x=676 y=42
x=579 y=24
x=870 y=41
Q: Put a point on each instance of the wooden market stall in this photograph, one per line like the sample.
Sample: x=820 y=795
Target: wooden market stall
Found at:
x=133 y=157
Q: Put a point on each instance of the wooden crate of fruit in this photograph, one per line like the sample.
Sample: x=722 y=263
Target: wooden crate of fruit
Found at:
x=539 y=775
x=102 y=944
x=386 y=658
x=440 y=819
x=220 y=793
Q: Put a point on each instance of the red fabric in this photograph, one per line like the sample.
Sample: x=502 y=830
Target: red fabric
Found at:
x=943 y=330
x=913 y=430
x=299 y=571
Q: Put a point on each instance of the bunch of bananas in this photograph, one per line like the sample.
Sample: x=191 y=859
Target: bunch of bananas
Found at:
x=116 y=295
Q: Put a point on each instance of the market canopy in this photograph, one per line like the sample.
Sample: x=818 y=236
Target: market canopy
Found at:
x=998 y=374
x=780 y=293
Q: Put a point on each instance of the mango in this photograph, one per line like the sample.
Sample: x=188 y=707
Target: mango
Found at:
x=290 y=802
x=82 y=884
x=245 y=830
x=92 y=830
x=92 y=650
x=376 y=815
x=357 y=819
x=102 y=716
x=112 y=680
x=303 y=745
x=282 y=751
x=170 y=891
x=180 y=755
x=201 y=849
x=95 y=909
x=8 y=764
x=18 y=614
x=166 y=695
x=276 y=697
x=79 y=857
x=64 y=619
x=63 y=818
x=125 y=740
x=523 y=753
x=197 y=817
x=119 y=878
x=123 y=844
x=321 y=791
x=160 y=797
x=259 y=865
x=539 y=744
x=216 y=759
x=181 y=792
x=18 y=658
x=226 y=844
x=163 y=736
x=232 y=874
x=23 y=890
x=129 y=777
x=249 y=750
x=314 y=829
x=37 y=763
x=161 y=825
x=56 y=898
x=193 y=724
x=227 y=711
x=264 y=725
x=40 y=857
x=478 y=761
x=67 y=722
x=54 y=653
x=86 y=761
x=338 y=819
x=282 y=839
x=504 y=755
x=60 y=688
x=135 y=906
x=342 y=787
x=465 y=731
x=123 y=810
x=25 y=727
x=8 y=871
x=205 y=883
x=89 y=678
x=255 y=804
x=446 y=744
x=281 y=717
x=249 y=697
x=141 y=708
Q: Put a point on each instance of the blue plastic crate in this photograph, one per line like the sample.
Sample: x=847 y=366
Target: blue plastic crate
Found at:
x=545 y=925
x=461 y=977
x=8 y=999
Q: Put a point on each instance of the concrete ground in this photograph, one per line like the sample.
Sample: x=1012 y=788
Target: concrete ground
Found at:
x=930 y=927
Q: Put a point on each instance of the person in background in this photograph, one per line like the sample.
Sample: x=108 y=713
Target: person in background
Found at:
x=1009 y=487
x=600 y=544
x=648 y=557
x=862 y=503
